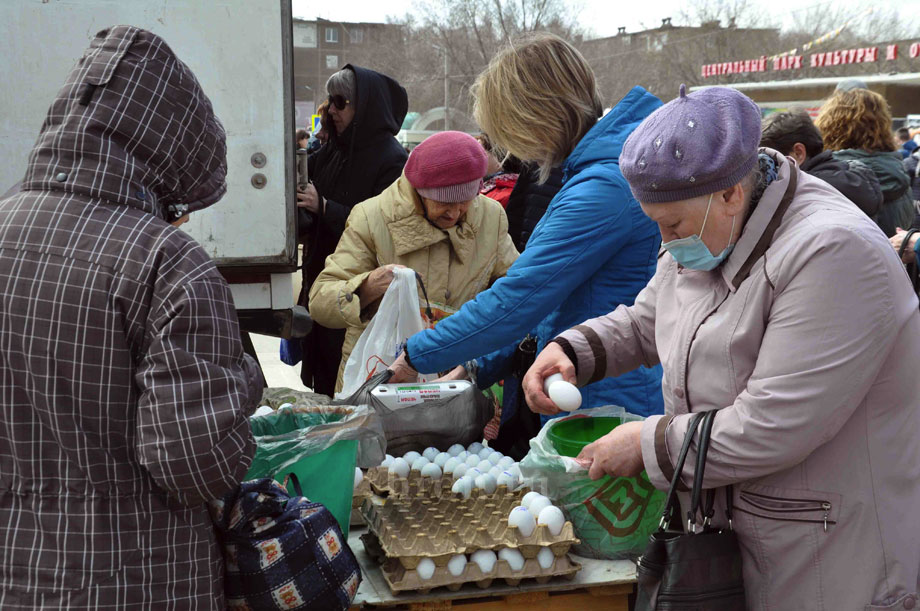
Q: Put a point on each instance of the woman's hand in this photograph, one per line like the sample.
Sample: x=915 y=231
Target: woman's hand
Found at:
x=551 y=360
x=376 y=284
x=402 y=372
x=308 y=198
x=457 y=373
x=897 y=239
x=618 y=453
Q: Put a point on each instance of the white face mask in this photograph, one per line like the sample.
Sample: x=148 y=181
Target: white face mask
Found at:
x=692 y=253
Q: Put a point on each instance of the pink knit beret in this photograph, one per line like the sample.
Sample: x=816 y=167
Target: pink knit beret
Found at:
x=447 y=167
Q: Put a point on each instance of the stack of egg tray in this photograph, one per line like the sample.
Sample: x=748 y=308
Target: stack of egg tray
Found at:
x=405 y=529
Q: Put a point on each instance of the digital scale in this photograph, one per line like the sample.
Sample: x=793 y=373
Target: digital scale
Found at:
x=395 y=396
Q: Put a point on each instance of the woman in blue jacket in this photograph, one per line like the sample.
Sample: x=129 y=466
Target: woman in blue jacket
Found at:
x=593 y=250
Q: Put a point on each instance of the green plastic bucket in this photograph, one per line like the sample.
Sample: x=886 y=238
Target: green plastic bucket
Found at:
x=326 y=477
x=569 y=437
x=613 y=516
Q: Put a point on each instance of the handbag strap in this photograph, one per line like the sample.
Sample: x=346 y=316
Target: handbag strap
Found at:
x=702 y=451
x=295 y=483
x=421 y=283
x=671 y=504
x=906 y=241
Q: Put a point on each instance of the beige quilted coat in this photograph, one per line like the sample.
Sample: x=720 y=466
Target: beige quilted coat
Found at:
x=455 y=264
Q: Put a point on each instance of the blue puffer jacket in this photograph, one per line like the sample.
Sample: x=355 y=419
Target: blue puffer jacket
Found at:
x=592 y=251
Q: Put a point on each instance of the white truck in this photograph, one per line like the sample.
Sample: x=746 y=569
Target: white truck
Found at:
x=241 y=52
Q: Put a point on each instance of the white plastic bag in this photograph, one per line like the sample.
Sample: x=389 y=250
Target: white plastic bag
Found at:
x=397 y=319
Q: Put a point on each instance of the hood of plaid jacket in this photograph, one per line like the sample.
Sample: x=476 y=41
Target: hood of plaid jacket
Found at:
x=132 y=126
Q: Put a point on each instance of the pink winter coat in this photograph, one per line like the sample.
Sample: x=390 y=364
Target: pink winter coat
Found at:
x=807 y=339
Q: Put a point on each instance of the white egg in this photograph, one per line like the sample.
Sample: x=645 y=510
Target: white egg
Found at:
x=475 y=447
x=495 y=457
x=431 y=470
x=553 y=518
x=472 y=460
x=473 y=472
x=565 y=395
x=460 y=470
x=430 y=453
x=264 y=410
x=521 y=518
x=412 y=456
x=539 y=504
x=484 y=466
x=425 y=569
x=506 y=478
x=441 y=459
x=456 y=564
x=455 y=449
x=545 y=557
x=506 y=462
x=286 y=406
x=449 y=465
x=463 y=486
x=462 y=456
x=529 y=497
x=484 y=453
x=387 y=461
x=513 y=557
x=419 y=463
x=486 y=483
x=485 y=559
x=359 y=476
x=495 y=472
x=399 y=467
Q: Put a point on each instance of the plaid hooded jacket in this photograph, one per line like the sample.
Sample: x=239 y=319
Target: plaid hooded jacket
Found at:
x=125 y=390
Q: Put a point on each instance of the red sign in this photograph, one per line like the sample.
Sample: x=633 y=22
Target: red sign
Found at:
x=815 y=60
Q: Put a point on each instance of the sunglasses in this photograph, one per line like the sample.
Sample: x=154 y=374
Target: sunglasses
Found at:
x=339 y=101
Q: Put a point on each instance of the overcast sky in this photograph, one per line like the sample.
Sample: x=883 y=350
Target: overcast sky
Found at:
x=601 y=16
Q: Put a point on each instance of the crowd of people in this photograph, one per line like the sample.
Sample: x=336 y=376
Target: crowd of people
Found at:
x=692 y=257
x=668 y=258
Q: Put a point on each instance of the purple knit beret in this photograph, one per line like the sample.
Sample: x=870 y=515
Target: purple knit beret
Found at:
x=694 y=145
x=447 y=167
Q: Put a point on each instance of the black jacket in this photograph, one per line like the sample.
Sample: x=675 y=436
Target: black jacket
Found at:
x=350 y=168
x=528 y=202
x=855 y=180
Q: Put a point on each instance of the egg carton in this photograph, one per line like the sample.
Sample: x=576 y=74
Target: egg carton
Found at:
x=361 y=492
x=402 y=579
x=414 y=528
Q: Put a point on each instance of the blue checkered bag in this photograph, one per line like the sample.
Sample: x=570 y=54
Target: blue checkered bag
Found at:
x=282 y=552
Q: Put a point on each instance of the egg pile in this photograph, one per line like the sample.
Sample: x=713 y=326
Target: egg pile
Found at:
x=536 y=510
x=476 y=467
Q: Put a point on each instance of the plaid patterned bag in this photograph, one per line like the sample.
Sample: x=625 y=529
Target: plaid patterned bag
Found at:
x=282 y=552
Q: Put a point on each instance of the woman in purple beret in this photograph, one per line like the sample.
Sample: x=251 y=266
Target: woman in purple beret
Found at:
x=781 y=305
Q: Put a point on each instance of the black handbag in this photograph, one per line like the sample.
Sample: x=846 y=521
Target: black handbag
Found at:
x=696 y=569
x=516 y=431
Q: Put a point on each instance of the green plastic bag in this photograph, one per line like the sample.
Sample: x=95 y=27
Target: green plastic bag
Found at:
x=613 y=517
x=310 y=426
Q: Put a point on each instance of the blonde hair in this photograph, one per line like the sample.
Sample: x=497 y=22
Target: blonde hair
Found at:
x=856 y=119
x=536 y=100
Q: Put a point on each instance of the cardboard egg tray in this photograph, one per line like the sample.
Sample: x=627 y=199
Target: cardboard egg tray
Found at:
x=401 y=579
x=414 y=528
x=361 y=492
